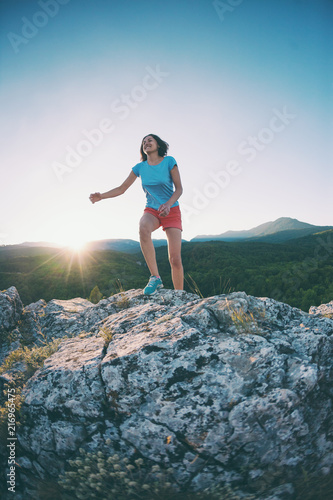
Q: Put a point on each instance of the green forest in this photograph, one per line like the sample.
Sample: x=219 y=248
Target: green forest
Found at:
x=299 y=272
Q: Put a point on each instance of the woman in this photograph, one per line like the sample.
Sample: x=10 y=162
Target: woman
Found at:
x=161 y=182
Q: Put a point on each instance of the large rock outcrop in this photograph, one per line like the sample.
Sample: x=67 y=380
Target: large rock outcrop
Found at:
x=10 y=309
x=229 y=389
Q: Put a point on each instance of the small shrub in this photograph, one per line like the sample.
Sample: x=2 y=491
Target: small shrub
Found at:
x=33 y=359
x=97 y=476
x=95 y=295
x=313 y=487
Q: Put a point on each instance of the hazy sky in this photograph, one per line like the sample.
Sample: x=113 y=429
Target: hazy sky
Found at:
x=241 y=90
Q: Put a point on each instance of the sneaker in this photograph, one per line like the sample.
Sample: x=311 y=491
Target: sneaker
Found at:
x=154 y=284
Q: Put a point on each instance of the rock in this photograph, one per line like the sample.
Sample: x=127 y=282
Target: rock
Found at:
x=229 y=389
x=65 y=318
x=8 y=378
x=323 y=310
x=10 y=309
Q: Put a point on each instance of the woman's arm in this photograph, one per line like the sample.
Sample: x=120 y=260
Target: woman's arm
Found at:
x=165 y=208
x=115 y=191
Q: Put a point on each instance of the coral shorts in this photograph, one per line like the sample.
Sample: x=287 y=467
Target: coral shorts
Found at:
x=174 y=219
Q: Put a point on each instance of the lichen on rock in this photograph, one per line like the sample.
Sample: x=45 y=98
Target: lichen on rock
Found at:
x=231 y=389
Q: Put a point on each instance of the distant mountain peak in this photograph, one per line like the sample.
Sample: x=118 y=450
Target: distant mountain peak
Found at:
x=287 y=226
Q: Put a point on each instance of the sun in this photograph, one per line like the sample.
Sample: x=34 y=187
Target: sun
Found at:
x=74 y=244
x=77 y=246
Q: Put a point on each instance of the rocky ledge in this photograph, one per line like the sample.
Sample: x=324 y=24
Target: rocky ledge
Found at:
x=230 y=389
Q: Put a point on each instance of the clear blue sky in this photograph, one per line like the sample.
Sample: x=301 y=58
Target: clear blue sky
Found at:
x=241 y=90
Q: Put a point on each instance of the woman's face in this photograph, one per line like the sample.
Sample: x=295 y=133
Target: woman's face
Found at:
x=149 y=144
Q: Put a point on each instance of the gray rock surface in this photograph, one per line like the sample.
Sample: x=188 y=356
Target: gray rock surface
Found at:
x=323 y=310
x=231 y=388
x=10 y=309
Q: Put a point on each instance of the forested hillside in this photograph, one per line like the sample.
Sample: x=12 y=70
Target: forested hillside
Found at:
x=299 y=272
x=63 y=274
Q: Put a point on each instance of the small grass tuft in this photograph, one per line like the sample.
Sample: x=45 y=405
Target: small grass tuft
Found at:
x=193 y=286
x=244 y=321
x=164 y=318
x=123 y=302
x=106 y=333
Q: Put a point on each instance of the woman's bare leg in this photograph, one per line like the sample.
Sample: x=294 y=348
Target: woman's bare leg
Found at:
x=174 y=236
x=148 y=224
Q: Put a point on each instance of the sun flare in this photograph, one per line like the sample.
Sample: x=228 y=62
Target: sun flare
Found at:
x=74 y=244
x=77 y=246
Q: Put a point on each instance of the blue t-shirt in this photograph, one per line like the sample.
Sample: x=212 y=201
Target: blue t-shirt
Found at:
x=156 y=181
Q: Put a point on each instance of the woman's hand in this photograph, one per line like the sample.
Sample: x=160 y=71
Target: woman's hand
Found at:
x=95 y=197
x=164 y=210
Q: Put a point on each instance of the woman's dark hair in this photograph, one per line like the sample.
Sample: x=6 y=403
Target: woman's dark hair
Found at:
x=162 y=147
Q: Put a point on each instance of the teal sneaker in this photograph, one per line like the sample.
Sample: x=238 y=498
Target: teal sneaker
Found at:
x=153 y=285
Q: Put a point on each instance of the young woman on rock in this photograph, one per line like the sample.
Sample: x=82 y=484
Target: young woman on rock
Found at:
x=161 y=182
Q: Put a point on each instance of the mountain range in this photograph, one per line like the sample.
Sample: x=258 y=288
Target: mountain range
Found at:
x=118 y=245
x=278 y=231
